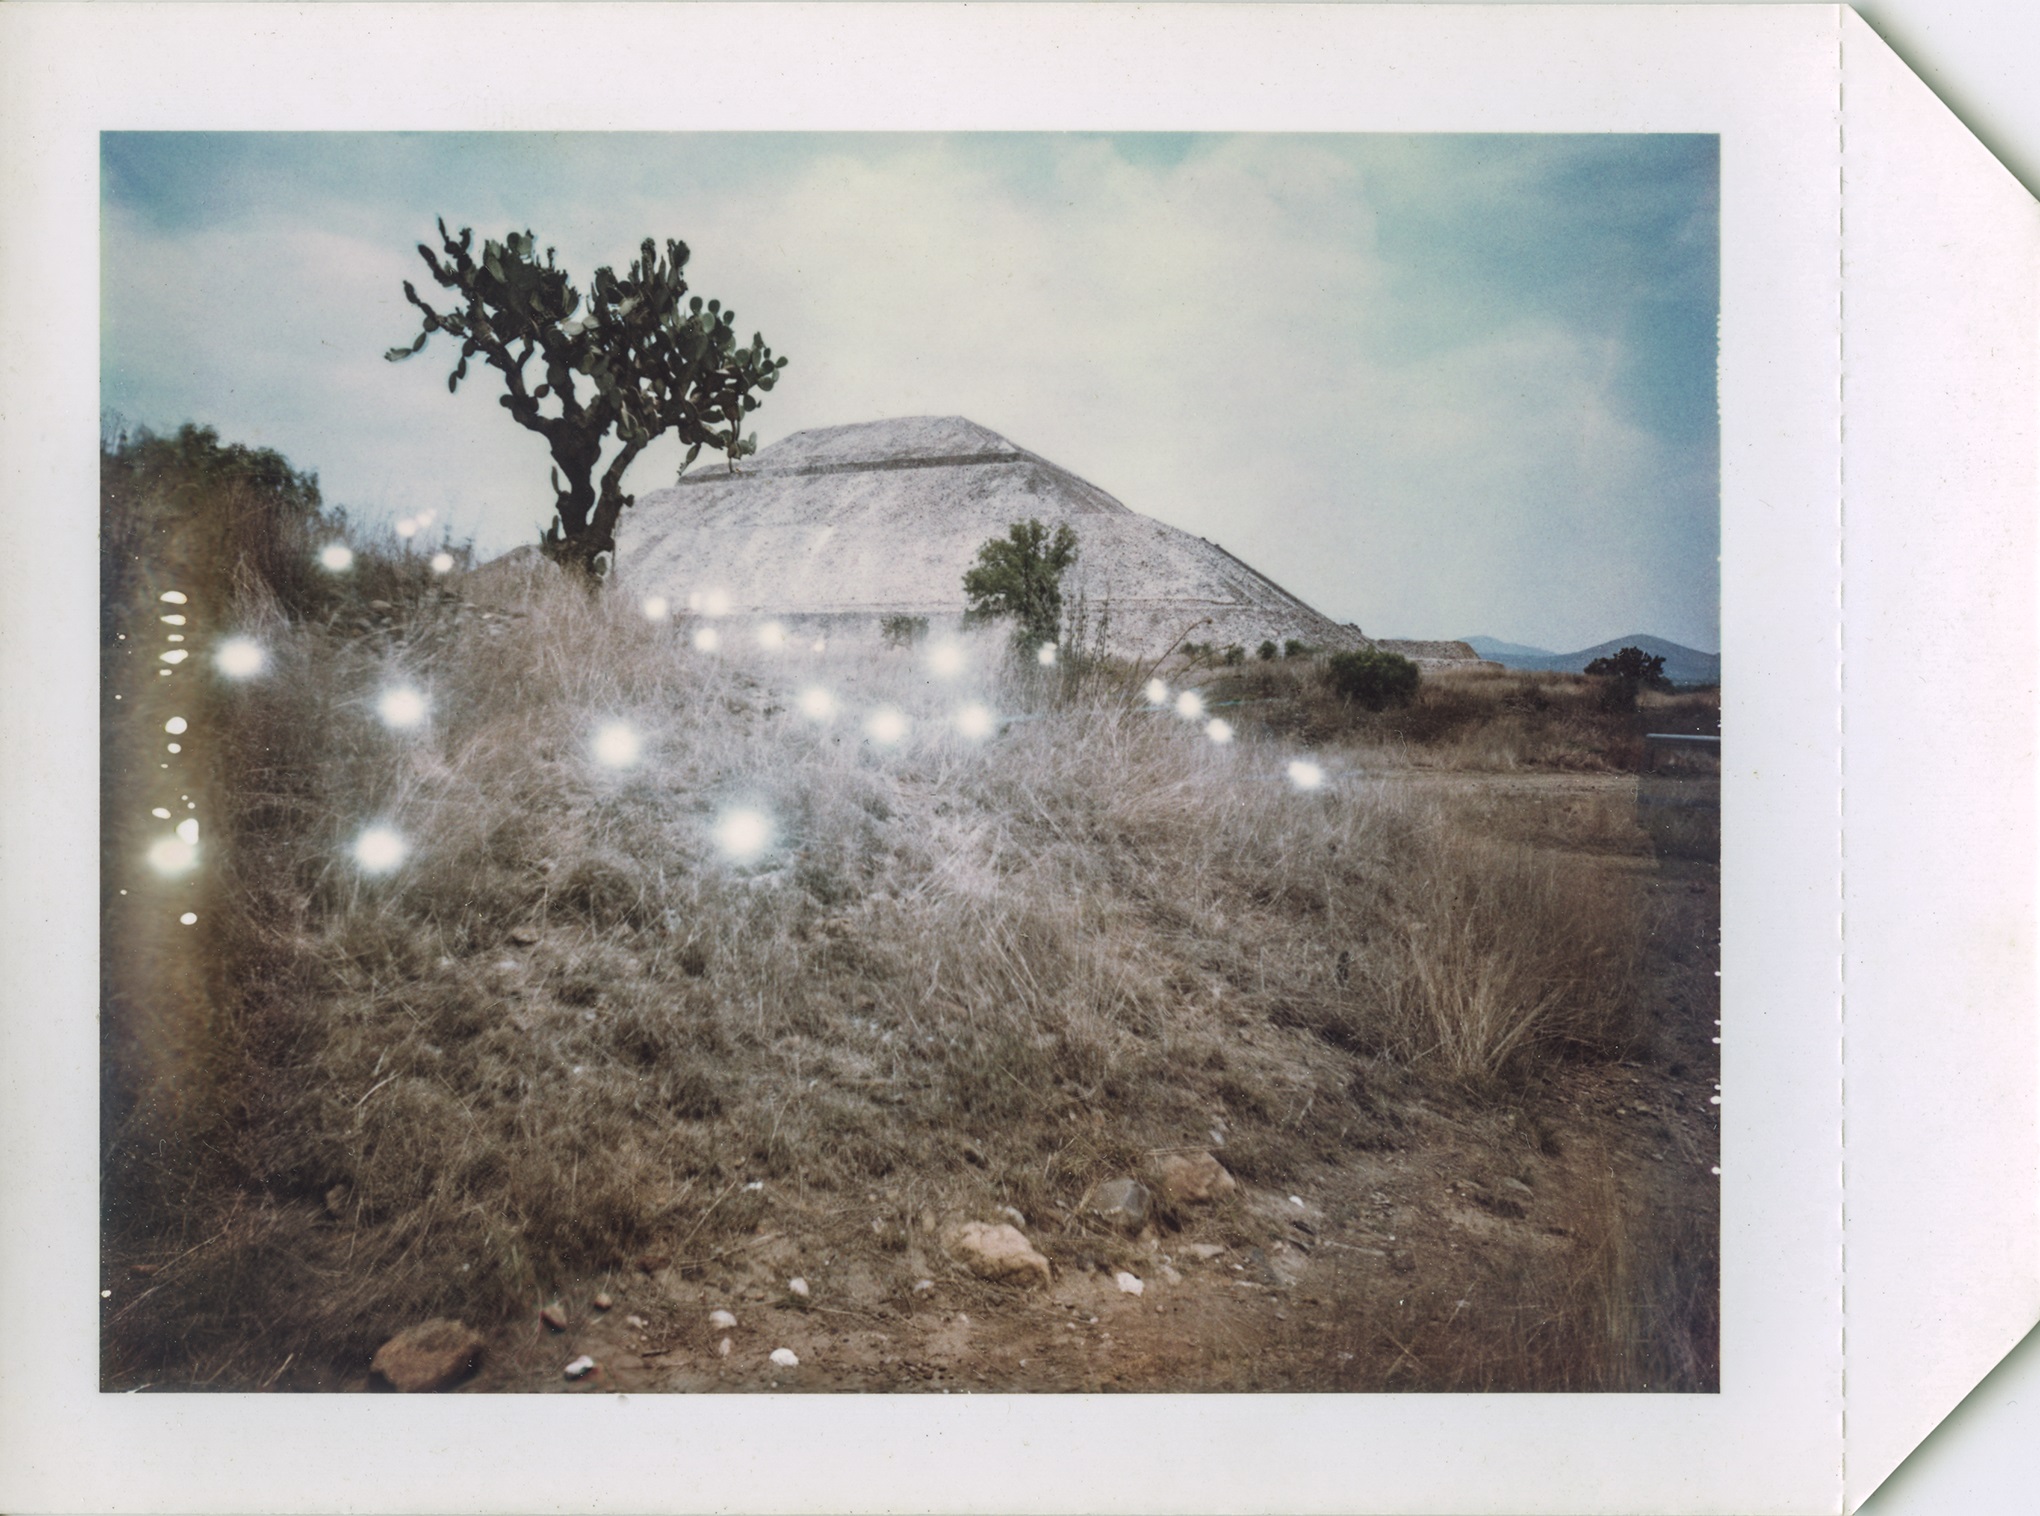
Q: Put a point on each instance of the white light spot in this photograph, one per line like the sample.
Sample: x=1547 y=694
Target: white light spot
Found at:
x=1714 y=1169
x=187 y=829
x=159 y=811
x=886 y=726
x=817 y=704
x=189 y=918
x=657 y=608
x=1157 y=692
x=164 y=672
x=240 y=658
x=714 y=602
x=176 y=726
x=171 y=856
x=171 y=620
x=336 y=557
x=617 y=745
x=401 y=707
x=408 y=527
x=1306 y=775
x=946 y=659
x=821 y=644
x=379 y=849
x=975 y=721
x=426 y=518
x=172 y=597
x=1046 y=656
x=174 y=637
x=442 y=563
x=772 y=635
x=706 y=639
x=1219 y=730
x=175 y=655
x=175 y=747
x=743 y=833
x=1190 y=706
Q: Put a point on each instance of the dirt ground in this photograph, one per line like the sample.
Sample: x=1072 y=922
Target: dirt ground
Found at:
x=1371 y=1270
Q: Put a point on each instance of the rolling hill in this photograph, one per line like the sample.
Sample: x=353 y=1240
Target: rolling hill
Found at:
x=1683 y=665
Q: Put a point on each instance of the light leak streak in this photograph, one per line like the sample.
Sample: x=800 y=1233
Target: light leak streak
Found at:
x=175 y=655
x=240 y=658
x=171 y=620
x=744 y=833
x=379 y=849
x=1190 y=706
x=617 y=745
x=172 y=597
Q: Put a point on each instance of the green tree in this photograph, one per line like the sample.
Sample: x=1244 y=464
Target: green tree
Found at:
x=1626 y=675
x=1020 y=576
x=641 y=360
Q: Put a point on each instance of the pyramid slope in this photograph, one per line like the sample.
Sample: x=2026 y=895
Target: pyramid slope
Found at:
x=883 y=518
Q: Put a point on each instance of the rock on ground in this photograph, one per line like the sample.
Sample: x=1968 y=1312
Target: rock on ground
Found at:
x=1193 y=1179
x=996 y=1252
x=429 y=1356
x=1122 y=1203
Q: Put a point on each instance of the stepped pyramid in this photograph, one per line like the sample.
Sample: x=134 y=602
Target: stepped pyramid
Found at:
x=842 y=525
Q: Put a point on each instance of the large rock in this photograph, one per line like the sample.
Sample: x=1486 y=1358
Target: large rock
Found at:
x=1193 y=1179
x=1121 y=1203
x=1000 y=1253
x=430 y=1356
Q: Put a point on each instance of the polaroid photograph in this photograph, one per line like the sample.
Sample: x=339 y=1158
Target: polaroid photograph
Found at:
x=1018 y=758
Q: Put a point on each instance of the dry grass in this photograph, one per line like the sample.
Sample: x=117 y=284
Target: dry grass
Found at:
x=570 y=1028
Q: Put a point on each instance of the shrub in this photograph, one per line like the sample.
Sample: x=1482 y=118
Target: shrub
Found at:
x=1373 y=679
x=1266 y=651
x=902 y=631
x=1020 y=576
x=1293 y=648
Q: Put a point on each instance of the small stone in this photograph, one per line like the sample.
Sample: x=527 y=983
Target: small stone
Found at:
x=428 y=1357
x=651 y=1263
x=1297 y=1201
x=996 y=1252
x=524 y=936
x=1170 y=1275
x=636 y=1321
x=603 y=1301
x=722 y=1321
x=1204 y=1251
x=1193 y=1179
x=1122 y=1203
x=1518 y=1186
x=554 y=1316
x=722 y=1349
x=1128 y=1284
x=581 y=1367
x=798 y=1287
x=336 y=1199
x=786 y=1358
x=923 y=1286
x=1013 y=1214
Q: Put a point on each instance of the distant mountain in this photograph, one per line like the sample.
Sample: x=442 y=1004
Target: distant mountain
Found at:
x=1683 y=665
x=1498 y=651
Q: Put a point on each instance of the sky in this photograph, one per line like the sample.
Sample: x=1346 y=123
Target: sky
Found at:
x=1438 y=386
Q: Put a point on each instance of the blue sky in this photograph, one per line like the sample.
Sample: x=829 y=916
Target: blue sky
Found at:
x=1436 y=385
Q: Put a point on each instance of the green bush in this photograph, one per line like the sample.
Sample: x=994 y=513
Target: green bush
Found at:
x=1266 y=651
x=1373 y=679
x=1235 y=655
x=902 y=631
x=1294 y=648
x=1020 y=576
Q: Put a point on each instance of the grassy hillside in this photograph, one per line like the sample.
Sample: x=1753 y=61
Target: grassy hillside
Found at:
x=690 y=949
